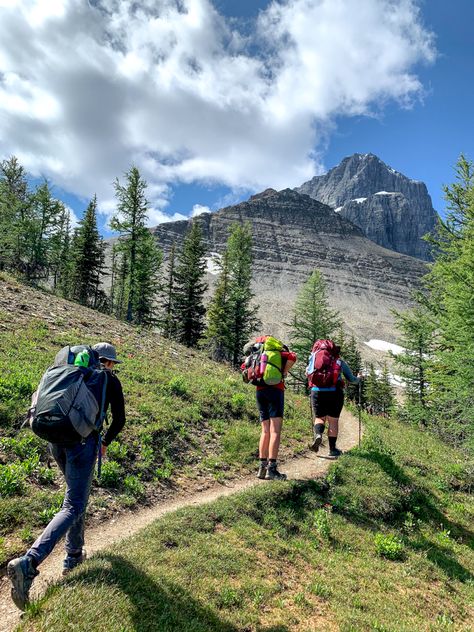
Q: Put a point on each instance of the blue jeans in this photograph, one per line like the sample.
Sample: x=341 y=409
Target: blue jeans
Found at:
x=77 y=465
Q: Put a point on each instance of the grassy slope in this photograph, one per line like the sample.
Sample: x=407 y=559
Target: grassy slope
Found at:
x=297 y=556
x=189 y=420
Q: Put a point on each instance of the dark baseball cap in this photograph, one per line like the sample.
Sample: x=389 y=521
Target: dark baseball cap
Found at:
x=107 y=351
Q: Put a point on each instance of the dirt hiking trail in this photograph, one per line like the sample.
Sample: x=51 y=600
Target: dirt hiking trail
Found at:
x=113 y=531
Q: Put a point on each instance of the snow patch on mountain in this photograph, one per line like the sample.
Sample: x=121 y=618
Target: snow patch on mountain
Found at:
x=383 y=345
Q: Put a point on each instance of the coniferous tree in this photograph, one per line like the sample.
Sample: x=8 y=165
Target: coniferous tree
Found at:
x=188 y=303
x=231 y=314
x=130 y=222
x=450 y=302
x=15 y=216
x=47 y=212
x=120 y=277
x=87 y=255
x=148 y=262
x=136 y=253
x=417 y=339
x=219 y=315
x=312 y=318
x=168 y=323
x=60 y=252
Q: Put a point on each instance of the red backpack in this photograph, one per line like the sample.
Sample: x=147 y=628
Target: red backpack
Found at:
x=324 y=366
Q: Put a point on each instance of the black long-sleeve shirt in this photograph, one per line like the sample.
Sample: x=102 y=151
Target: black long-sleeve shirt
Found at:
x=114 y=399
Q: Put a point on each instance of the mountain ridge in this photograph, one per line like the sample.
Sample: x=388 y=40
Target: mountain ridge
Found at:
x=361 y=188
x=292 y=235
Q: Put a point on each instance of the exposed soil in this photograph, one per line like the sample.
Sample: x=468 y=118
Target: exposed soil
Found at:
x=127 y=524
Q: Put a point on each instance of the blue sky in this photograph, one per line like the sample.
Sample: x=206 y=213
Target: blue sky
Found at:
x=231 y=96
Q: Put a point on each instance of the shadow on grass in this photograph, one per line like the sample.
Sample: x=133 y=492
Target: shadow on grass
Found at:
x=428 y=512
x=155 y=606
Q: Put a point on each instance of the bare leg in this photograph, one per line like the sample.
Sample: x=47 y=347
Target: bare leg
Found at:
x=264 y=439
x=275 y=434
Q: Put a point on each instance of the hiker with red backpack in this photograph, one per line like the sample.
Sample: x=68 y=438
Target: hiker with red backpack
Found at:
x=266 y=365
x=68 y=410
x=325 y=372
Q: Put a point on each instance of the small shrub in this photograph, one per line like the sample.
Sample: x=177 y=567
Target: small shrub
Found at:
x=177 y=386
x=21 y=447
x=237 y=403
x=46 y=475
x=322 y=522
x=31 y=464
x=134 y=486
x=12 y=480
x=165 y=470
x=320 y=590
x=26 y=535
x=389 y=546
x=117 y=451
x=111 y=474
x=46 y=515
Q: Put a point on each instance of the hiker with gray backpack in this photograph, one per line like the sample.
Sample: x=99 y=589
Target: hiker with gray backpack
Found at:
x=68 y=410
x=325 y=373
x=266 y=364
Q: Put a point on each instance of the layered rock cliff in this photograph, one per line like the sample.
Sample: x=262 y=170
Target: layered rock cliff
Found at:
x=294 y=234
x=391 y=209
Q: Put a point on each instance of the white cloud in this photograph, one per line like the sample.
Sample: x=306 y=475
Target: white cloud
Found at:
x=89 y=88
x=199 y=209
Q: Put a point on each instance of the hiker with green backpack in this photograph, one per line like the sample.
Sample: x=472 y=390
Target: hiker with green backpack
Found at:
x=68 y=410
x=266 y=364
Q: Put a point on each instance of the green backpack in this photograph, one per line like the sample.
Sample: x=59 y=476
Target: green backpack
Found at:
x=273 y=362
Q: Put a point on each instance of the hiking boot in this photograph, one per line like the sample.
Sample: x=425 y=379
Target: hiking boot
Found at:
x=262 y=470
x=71 y=561
x=334 y=453
x=21 y=573
x=273 y=474
x=318 y=439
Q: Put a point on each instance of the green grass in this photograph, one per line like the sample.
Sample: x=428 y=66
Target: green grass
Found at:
x=187 y=417
x=380 y=546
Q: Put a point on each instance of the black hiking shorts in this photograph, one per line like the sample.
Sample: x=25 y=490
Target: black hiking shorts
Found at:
x=270 y=402
x=327 y=403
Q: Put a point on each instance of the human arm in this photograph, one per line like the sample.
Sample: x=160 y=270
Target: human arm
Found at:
x=346 y=371
x=289 y=358
x=117 y=406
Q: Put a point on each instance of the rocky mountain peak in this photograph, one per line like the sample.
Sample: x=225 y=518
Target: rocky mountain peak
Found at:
x=390 y=208
x=263 y=194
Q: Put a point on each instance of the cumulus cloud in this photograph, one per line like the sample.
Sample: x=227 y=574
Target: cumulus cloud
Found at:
x=89 y=88
x=199 y=209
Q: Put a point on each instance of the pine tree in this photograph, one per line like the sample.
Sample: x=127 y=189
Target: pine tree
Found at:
x=148 y=263
x=417 y=339
x=385 y=394
x=87 y=255
x=15 y=216
x=167 y=320
x=137 y=258
x=188 y=303
x=218 y=337
x=312 y=318
x=451 y=306
x=120 y=278
x=46 y=217
x=59 y=258
x=231 y=314
x=130 y=222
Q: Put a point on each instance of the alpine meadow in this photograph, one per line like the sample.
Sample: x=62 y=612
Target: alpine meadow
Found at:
x=236 y=316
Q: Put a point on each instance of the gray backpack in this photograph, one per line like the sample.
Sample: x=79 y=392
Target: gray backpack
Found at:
x=69 y=403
